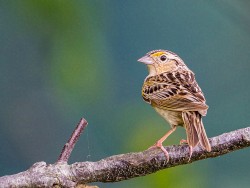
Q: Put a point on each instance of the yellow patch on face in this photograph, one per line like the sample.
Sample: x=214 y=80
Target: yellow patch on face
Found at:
x=157 y=54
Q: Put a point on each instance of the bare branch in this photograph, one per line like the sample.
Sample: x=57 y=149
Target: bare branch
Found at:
x=69 y=146
x=124 y=166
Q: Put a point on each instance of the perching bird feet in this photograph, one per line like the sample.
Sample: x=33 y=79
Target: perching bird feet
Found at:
x=182 y=141
x=158 y=144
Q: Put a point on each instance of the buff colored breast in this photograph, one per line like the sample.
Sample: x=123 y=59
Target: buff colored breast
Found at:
x=174 y=118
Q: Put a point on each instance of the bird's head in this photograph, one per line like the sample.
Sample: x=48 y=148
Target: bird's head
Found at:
x=159 y=61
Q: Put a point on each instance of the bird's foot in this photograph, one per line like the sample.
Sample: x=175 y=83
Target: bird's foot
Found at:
x=182 y=141
x=190 y=153
x=158 y=144
x=190 y=148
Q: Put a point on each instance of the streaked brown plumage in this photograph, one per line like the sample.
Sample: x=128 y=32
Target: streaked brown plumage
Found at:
x=173 y=92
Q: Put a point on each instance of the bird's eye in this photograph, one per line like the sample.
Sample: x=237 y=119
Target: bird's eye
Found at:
x=163 y=58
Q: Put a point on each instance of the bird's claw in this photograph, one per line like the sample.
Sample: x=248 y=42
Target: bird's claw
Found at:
x=183 y=141
x=159 y=145
x=190 y=153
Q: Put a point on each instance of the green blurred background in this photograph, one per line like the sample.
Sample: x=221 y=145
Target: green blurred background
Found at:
x=63 y=60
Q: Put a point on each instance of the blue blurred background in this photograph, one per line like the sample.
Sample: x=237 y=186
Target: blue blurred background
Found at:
x=63 y=60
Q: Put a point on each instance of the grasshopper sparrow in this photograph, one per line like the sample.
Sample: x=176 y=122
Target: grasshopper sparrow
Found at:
x=173 y=92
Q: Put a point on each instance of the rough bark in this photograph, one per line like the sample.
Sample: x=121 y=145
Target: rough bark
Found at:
x=124 y=166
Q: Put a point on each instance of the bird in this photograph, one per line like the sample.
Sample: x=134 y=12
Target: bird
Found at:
x=171 y=89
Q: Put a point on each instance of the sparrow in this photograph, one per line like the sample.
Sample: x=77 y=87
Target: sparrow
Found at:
x=171 y=89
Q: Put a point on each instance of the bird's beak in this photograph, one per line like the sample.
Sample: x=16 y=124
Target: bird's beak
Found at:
x=146 y=60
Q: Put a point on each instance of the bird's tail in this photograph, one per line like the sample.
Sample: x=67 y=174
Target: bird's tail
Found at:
x=195 y=130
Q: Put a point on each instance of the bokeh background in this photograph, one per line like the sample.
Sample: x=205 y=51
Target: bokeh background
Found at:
x=63 y=60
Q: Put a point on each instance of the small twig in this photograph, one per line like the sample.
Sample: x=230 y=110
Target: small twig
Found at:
x=69 y=146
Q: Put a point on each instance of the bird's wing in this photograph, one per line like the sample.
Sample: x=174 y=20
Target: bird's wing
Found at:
x=176 y=91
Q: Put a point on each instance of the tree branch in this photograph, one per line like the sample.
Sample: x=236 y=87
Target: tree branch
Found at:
x=124 y=166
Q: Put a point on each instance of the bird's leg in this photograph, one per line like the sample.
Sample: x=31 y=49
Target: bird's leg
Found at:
x=159 y=142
